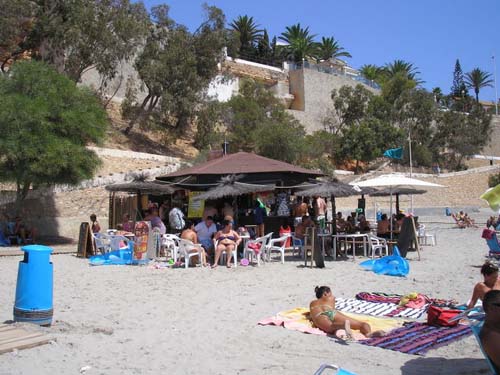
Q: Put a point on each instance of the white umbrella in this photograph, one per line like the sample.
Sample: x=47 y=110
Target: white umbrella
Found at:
x=393 y=181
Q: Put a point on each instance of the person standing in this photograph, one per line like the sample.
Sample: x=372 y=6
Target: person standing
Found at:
x=96 y=228
x=259 y=213
x=320 y=212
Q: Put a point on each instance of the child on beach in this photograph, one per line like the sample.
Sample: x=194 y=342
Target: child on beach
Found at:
x=491 y=282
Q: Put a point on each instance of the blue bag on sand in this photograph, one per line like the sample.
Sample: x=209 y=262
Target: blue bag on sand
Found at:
x=392 y=265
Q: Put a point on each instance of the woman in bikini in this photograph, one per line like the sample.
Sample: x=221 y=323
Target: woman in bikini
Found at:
x=329 y=320
x=225 y=240
x=491 y=282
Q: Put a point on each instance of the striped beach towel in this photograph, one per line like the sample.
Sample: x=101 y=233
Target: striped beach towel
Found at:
x=385 y=309
x=418 y=338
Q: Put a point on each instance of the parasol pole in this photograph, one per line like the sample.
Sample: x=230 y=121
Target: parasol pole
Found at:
x=334 y=215
x=411 y=166
x=390 y=212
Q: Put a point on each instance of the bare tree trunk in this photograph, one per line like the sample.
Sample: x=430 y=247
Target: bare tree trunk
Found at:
x=138 y=115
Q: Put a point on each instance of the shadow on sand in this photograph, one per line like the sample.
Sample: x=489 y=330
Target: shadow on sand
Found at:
x=437 y=366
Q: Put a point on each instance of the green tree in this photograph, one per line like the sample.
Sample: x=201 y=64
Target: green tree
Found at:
x=458 y=89
x=477 y=79
x=264 y=50
x=460 y=135
x=176 y=66
x=393 y=87
x=300 y=43
x=371 y=72
x=248 y=33
x=402 y=68
x=438 y=95
x=350 y=105
x=16 y=21
x=329 y=48
x=79 y=35
x=46 y=121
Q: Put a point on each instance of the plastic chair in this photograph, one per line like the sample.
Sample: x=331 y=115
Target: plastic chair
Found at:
x=277 y=245
x=186 y=248
x=249 y=252
x=102 y=242
x=338 y=370
x=296 y=246
x=378 y=243
x=423 y=236
x=170 y=242
x=222 y=259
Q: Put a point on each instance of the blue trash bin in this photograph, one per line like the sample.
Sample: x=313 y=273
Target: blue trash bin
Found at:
x=34 y=286
x=447 y=211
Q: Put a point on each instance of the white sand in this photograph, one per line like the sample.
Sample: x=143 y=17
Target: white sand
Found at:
x=137 y=320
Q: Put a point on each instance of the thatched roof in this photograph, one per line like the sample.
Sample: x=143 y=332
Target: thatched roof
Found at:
x=143 y=187
x=230 y=187
x=329 y=188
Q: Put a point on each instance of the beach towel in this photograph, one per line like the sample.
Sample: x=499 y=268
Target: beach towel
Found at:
x=395 y=298
x=297 y=319
x=379 y=309
x=418 y=338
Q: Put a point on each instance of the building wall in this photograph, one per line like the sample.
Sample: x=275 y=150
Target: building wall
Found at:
x=493 y=148
x=312 y=91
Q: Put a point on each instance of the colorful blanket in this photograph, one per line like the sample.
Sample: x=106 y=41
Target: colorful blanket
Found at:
x=418 y=338
x=395 y=298
x=381 y=309
x=298 y=320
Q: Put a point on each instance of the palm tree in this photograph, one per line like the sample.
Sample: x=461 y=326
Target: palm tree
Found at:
x=329 y=48
x=477 y=79
x=248 y=32
x=301 y=45
x=404 y=68
x=371 y=72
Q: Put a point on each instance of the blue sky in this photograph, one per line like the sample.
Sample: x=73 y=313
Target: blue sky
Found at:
x=431 y=34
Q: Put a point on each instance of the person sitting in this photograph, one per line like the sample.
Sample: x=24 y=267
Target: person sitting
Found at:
x=469 y=222
x=96 y=228
x=205 y=231
x=154 y=217
x=364 y=225
x=490 y=332
x=341 y=223
x=383 y=227
x=329 y=320
x=23 y=231
x=491 y=282
x=226 y=240
x=127 y=224
x=188 y=233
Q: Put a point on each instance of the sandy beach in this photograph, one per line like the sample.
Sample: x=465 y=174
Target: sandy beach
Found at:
x=140 y=320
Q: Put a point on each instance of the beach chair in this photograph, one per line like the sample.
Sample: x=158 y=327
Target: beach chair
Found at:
x=186 y=248
x=102 y=242
x=378 y=244
x=170 y=243
x=250 y=250
x=296 y=245
x=492 y=241
x=337 y=369
x=277 y=245
x=223 y=255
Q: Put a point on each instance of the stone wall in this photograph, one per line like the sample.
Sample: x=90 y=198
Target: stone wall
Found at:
x=312 y=91
x=493 y=148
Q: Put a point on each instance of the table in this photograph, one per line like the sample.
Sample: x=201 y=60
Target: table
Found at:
x=362 y=236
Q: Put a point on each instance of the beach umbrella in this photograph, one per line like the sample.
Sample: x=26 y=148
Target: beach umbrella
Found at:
x=397 y=192
x=492 y=196
x=392 y=182
x=230 y=187
x=332 y=188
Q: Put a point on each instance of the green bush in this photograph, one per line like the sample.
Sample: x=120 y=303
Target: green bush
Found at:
x=494 y=180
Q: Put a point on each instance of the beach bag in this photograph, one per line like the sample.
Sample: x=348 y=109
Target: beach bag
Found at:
x=255 y=246
x=438 y=316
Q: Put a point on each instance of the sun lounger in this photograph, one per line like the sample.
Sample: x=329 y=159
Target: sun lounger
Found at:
x=338 y=370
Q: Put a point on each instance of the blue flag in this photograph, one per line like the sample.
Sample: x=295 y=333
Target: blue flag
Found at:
x=394 y=153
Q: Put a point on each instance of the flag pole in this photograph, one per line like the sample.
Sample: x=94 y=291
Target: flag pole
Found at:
x=495 y=76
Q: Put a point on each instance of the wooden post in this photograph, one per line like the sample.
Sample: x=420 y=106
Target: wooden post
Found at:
x=417 y=245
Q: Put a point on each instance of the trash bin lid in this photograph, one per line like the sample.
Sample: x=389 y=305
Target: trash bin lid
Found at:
x=37 y=248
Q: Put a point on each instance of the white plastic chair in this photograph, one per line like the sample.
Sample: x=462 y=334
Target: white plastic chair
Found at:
x=250 y=253
x=102 y=242
x=170 y=242
x=186 y=248
x=378 y=243
x=222 y=259
x=277 y=245
x=423 y=236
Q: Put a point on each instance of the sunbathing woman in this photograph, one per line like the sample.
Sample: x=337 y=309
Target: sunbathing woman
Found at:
x=225 y=240
x=329 y=320
x=491 y=282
